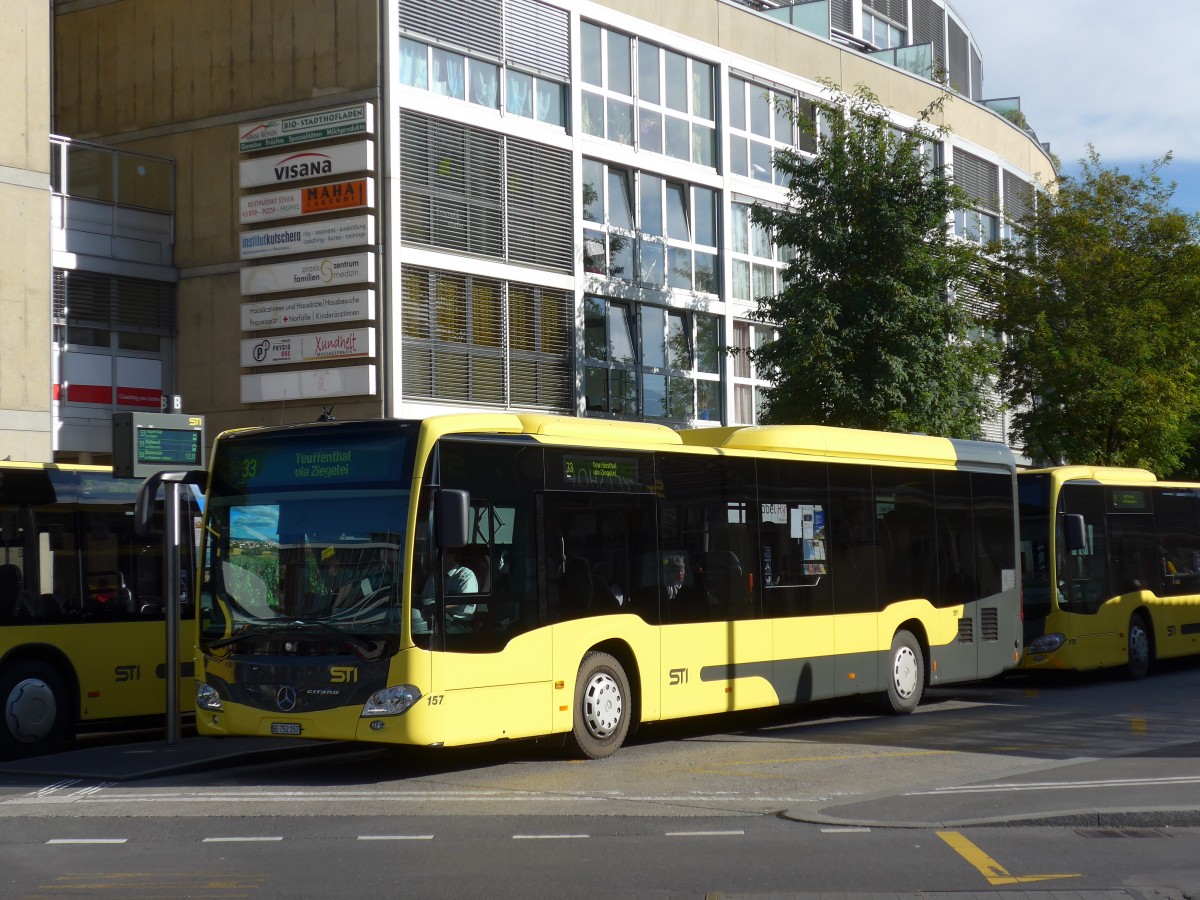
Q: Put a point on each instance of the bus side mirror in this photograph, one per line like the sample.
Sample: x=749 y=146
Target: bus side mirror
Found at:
x=453 y=514
x=1075 y=530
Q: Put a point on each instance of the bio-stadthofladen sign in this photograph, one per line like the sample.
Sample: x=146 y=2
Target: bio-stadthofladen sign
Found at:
x=322 y=346
x=322 y=309
x=306 y=127
x=355 y=268
x=307 y=201
x=330 y=234
x=300 y=165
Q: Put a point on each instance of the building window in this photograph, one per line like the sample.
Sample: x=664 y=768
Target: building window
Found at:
x=760 y=123
x=479 y=81
x=671 y=95
x=880 y=32
x=976 y=226
x=748 y=384
x=647 y=229
x=651 y=362
x=757 y=262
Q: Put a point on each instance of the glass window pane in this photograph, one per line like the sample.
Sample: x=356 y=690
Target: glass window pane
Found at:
x=680 y=268
x=620 y=257
x=762 y=241
x=654 y=396
x=550 y=105
x=449 y=71
x=708 y=344
x=783 y=123
x=764 y=281
x=593 y=190
x=620 y=336
x=737 y=103
x=485 y=84
x=708 y=401
x=679 y=342
x=760 y=161
x=743 y=404
x=676 y=81
x=648 y=89
x=596 y=389
x=679 y=140
x=739 y=157
x=760 y=111
x=741 y=281
x=677 y=218
x=680 y=398
x=143 y=182
x=518 y=98
x=593 y=68
x=741 y=343
x=414 y=64
x=653 y=263
x=654 y=323
x=704 y=145
x=650 y=190
x=624 y=392
x=594 y=344
x=705 y=216
x=620 y=63
x=740 y=227
x=702 y=90
x=593 y=252
x=620 y=121
x=90 y=174
x=620 y=210
x=706 y=272
x=593 y=114
x=650 y=130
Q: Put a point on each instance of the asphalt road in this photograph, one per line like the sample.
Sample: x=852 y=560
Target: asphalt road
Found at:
x=1102 y=775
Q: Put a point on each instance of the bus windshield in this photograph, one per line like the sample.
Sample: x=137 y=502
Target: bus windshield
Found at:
x=303 y=544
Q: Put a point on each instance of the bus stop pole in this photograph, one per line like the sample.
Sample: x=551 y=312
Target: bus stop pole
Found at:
x=171 y=572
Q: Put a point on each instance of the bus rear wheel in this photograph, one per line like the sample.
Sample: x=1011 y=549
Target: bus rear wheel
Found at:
x=36 y=718
x=906 y=674
x=602 y=707
x=1141 y=652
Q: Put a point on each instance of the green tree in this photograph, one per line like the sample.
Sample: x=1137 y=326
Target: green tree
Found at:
x=1099 y=299
x=867 y=336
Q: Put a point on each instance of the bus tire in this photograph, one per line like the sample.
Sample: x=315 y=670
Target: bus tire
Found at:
x=906 y=674
x=1141 y=650
x=36 y=713
x=602 y=707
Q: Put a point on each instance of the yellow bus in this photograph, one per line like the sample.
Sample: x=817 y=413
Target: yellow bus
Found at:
x=482 y=577
x=82 y=627
x=1111 y=568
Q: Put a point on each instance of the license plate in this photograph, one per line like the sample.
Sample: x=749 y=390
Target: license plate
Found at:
x=285 y=728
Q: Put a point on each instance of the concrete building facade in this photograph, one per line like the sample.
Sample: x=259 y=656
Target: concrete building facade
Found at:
x=396 y=208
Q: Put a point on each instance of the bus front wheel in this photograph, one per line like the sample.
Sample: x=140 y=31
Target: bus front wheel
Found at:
x=602 y=707
x=1141 y=652
x=906 y=674
x=35 y=710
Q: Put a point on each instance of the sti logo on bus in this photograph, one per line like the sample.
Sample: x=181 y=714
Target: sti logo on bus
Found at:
x=128 y=673
x=679 y=676
x=343 y=674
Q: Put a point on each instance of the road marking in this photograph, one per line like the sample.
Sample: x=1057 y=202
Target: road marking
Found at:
x=549 y=837
x=847 y=830
x=87 y=840
x=705 y=833
x=54 y=788
x=1057 y=785
x=995 y=873
x=238 y=840
x=395 y=837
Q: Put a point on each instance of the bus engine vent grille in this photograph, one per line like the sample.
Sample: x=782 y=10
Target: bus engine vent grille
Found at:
x=989 y=623
x=966 y=631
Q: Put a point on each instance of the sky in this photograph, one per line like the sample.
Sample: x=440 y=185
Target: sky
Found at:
x=1122 y=76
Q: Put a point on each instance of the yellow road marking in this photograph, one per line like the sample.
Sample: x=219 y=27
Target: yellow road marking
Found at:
x=995 y=873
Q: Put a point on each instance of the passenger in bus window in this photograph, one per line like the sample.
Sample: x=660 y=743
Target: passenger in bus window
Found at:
x=674 y=575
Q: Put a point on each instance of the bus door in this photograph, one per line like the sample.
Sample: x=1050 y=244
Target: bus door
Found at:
x=491 y=669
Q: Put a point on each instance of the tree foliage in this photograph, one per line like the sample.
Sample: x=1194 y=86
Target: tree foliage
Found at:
x=868 y=338
x=1099 y=298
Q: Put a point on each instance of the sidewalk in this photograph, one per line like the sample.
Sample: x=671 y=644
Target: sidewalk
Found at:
x=152 y=759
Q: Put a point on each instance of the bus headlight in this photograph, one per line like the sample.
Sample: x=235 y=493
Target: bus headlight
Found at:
x=207 y=697
x=391 y=701
x=1047 y=643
